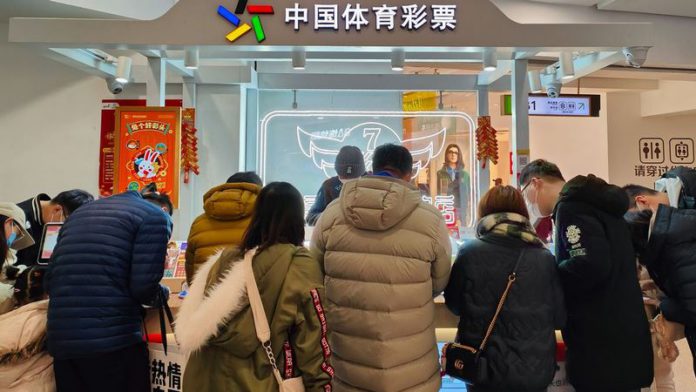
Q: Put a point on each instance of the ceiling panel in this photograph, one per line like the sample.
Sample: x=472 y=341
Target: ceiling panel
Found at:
x=661 y=7
x=569 y=2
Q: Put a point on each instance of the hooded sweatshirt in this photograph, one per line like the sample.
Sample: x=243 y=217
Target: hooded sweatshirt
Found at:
x=228 y=209
x=386 y=254
x=607 y=334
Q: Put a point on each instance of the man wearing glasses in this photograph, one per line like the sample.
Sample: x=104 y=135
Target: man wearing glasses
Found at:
x=607 y=334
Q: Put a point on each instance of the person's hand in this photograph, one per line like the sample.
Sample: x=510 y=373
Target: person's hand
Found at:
x=667 y=332
x=647 y=285
x=651 y=302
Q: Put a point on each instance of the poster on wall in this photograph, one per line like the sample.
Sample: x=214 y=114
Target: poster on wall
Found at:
x=107 y=139
x=148 y=150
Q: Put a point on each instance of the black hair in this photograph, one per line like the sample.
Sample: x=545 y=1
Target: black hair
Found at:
x=460 y=160
x=278 y=218
x=540 y=168
x=639 y=226
x=391 y=157
x=29 y=285
x=161 y=200
x=245 y=177
x=149 y=188
x=4 y=249
x=72 y=200
x=633 y=190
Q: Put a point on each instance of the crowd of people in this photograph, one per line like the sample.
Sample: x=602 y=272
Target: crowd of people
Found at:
x=355 y=311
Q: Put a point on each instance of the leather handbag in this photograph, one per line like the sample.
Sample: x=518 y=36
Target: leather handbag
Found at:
x=465 y=362
x=263 y=330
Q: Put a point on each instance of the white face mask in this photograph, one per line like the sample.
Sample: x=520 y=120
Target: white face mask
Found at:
x=533 y=206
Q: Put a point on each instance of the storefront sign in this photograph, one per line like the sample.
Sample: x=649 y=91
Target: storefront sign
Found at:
x=419 y=101
x=148 y=149
x=107 y=139
x=563 y=106
x=659 y=155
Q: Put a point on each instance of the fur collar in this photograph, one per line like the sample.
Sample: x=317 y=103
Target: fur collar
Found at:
x=202 y=314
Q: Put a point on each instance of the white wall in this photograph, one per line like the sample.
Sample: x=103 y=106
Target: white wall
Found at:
x=50 y=118
x=579 y=146
x=627 y=127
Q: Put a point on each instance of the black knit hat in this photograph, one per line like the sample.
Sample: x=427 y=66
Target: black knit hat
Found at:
x=350 y=162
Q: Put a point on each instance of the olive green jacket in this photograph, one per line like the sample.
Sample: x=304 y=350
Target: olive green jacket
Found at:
x=216 y=326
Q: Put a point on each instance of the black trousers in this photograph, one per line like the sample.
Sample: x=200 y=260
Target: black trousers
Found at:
x=120 y=371
x=690 y=333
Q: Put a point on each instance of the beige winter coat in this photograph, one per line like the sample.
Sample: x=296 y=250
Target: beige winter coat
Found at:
x=386 y=255
x=24 y=363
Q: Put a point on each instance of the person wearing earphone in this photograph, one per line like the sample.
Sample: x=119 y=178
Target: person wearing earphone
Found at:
x=13 y=235
x=43 y=209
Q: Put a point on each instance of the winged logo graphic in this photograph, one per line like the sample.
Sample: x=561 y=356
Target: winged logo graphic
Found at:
x=368 y=136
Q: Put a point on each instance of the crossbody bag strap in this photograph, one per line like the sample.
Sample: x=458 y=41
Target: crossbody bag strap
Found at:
x=263 y=330
x=511 y=280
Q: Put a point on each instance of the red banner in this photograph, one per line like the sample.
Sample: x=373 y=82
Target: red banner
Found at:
x=107 y=144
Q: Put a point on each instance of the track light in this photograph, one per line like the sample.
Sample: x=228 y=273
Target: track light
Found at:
x=567 y=66
x=191 y=58
x=123 y=69
x=299 y=59
x=535 y=85
x=398 y=59
x=490 y=60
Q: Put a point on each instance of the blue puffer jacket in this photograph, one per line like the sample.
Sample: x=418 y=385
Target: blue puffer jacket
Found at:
x=108 y=262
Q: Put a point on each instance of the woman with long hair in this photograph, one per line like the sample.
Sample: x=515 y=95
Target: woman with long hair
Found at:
x=520 y=353
x=454 y=180
x=215 y=323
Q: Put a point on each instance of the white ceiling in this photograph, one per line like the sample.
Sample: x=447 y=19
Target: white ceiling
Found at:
x=44 y=9
x=660 y=7
x=135 y=9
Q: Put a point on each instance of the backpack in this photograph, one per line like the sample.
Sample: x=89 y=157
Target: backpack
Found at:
x=687 y=197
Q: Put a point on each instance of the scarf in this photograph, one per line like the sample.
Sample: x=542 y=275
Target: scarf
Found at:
x=508 y=224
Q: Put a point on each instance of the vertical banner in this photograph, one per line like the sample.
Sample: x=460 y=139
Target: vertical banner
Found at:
x=147 y=150
x=107 y=138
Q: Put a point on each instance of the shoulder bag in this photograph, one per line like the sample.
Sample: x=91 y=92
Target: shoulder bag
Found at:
x=263 y=330
x=465 y=362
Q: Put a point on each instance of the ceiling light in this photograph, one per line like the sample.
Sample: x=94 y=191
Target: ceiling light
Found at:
x=123 y=69
x=299 y=59
x=535 y=81
x=490 y=60
x=191 y=58
x=567 y=66
x=398 y=59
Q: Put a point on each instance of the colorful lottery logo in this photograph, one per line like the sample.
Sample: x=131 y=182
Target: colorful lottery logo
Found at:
x=243 y=28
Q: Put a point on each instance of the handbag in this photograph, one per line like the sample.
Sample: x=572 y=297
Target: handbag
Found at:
x=464 y=362
x=263 y=330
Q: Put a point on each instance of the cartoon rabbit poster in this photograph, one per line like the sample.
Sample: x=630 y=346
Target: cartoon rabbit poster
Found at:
x=148 y=149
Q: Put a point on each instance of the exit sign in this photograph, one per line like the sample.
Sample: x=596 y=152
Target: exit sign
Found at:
x=563 y=106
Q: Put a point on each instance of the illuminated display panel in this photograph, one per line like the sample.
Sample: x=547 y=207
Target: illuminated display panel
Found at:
x=300 y=147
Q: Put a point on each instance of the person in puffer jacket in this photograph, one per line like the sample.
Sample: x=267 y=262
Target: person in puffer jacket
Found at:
x=666 y=246
x=228 y=208
x=520 y=355
x=107 y=264
x=215 y=323
x=25 y=365
x=386 y=255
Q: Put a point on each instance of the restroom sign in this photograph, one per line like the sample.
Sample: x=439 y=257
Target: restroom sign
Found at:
x=652 y=150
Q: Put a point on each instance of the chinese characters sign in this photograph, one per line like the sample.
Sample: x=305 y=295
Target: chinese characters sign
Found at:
x=354 y=16
x=166 y=371
x=148 y=150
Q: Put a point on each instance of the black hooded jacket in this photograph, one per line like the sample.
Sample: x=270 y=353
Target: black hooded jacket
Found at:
x=607 y=333
x=670 y=257
x=687 y=175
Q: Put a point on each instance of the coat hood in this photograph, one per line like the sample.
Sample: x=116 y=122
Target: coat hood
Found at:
x=228 y=202
x=597 y=193
x=378 y=203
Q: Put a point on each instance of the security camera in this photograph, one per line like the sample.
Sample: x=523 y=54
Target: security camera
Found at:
x=114 y=86
x=636 y=55
x=553 y=89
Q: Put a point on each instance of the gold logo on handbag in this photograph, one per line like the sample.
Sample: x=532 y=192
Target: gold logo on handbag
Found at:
x=459 y=364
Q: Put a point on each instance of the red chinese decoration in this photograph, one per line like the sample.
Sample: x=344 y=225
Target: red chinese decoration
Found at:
x=486 y=142
x=189 y=145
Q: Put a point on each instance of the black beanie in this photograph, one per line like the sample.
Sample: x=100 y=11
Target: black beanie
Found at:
x=350 y=162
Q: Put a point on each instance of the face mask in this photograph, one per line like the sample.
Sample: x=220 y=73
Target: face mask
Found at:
x=533 y=208
x=11 y=239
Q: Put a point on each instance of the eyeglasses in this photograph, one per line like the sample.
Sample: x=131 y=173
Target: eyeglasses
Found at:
x=453 y=152
x=527 y=186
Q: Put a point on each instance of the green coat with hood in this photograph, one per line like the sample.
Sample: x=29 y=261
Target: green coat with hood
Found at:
x=228 y=209
x=216 y=326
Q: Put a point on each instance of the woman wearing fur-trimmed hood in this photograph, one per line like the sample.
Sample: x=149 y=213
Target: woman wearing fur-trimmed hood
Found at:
x=215 y=323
